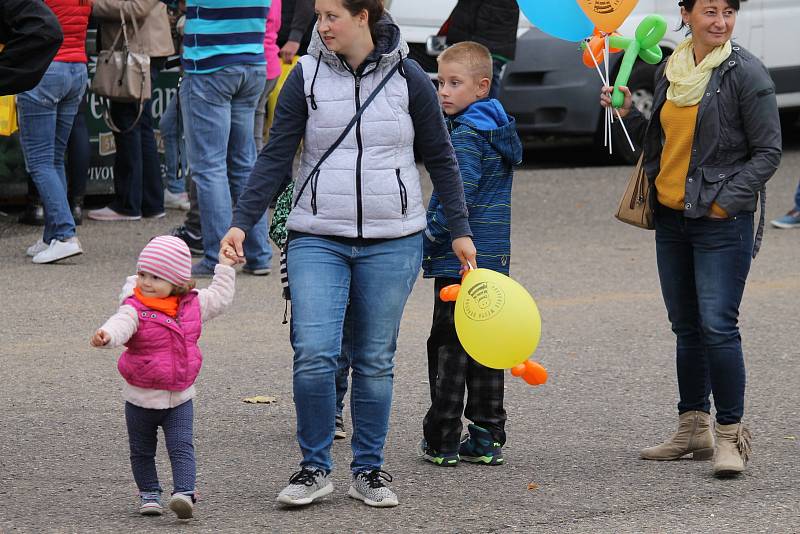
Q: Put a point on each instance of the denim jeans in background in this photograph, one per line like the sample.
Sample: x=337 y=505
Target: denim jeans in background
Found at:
x=177 y=424
x=174 y=148
x=703 y=266
x=323 y=275
x=46 y=113
x=797 y=198
x=79 y=152
x=137 y=168
x=218 y=109
x=343 y=364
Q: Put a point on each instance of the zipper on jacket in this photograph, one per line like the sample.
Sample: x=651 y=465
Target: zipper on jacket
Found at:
x=403 y=194
x=359 y=208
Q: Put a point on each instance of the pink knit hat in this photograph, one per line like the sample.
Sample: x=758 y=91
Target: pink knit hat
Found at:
x=167 y=257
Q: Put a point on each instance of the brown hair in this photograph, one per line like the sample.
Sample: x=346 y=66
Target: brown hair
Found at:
x=183 y=289
x=472 y=55
x=374 y=11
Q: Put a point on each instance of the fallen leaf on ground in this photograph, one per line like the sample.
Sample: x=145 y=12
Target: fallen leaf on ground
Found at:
x=791 y=438
x=533 y=486
x=260 y=399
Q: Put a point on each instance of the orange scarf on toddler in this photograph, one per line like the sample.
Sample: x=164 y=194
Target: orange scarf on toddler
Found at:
x=168 y=305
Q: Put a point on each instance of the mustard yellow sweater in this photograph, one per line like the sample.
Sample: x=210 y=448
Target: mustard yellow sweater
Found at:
x=678 y=124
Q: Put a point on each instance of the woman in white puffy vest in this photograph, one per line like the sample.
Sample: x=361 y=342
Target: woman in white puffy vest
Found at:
x=355 y=226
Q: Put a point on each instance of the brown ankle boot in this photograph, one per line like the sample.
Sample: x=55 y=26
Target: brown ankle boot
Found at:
x=693 y=437
x=732 y=450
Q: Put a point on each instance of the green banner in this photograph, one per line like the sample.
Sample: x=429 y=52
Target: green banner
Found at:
x=13 y=177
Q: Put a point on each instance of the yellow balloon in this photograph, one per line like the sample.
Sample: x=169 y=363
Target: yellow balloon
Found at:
x=497 y=320
x=607 y=15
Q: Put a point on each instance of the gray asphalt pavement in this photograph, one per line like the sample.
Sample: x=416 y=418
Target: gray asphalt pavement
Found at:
x=572 y=451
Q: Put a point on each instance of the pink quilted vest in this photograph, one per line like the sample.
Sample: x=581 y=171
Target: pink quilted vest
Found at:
x=163 y=353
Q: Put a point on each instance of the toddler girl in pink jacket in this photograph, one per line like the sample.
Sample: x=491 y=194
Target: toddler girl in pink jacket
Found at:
x=159 y=323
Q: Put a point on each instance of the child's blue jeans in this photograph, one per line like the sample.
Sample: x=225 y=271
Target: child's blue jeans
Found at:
x=177 y=424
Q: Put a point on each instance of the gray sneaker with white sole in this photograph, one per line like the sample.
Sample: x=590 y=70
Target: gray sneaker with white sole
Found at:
x=369 y=487
x=305 y=486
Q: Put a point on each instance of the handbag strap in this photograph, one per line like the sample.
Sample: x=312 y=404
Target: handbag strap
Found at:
x=126 y=48
x=315 y=171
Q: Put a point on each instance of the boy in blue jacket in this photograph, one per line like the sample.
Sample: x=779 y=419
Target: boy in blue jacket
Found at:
x=487 y=147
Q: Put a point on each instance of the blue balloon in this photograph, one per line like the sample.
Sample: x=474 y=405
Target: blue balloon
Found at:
x=560 y=18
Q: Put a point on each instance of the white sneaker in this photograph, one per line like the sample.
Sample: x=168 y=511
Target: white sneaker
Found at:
x=36 y=248
x=182 y=505
x=59 y=250
x=176 y=201
x=107 y=214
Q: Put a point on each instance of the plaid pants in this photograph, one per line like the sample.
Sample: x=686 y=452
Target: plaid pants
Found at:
x=450 y=369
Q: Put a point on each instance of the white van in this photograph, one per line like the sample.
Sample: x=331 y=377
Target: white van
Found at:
x=550 y=92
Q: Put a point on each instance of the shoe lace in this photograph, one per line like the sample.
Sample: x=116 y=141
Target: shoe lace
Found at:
x=306 y=477
x=150 y=496
x=376 y=477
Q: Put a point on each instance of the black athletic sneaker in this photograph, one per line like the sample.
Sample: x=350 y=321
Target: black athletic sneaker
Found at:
x=195 y=242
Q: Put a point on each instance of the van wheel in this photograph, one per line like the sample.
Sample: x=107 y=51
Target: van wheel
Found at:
x=642 y=86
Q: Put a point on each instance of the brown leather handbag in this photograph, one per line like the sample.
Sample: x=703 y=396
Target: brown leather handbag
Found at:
x=123 y=75
x=634 y=206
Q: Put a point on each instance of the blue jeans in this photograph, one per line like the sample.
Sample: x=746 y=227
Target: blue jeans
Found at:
x=703 y=266
x=377 y=279
x=46 y=113
x=220 y=108
x=137 y=169
x=174 y=148
x=797 y=198
x=343 y=364
x=177 y=424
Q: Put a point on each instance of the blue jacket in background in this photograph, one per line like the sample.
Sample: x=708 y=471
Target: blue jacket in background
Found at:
x=487 y=147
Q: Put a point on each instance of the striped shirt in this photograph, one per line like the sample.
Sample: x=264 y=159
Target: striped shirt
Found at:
x=220 y=33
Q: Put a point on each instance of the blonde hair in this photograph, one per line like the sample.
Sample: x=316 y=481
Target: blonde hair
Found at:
x=183 y=289
x=474 y=56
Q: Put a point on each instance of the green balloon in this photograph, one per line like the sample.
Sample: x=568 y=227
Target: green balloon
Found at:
x=645 y=46
x=650 y=31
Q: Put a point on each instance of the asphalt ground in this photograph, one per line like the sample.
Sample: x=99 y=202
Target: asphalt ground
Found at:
x=572 y=451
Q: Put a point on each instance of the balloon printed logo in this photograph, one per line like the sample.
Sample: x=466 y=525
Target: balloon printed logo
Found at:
x=608 y=15
x=484 y=301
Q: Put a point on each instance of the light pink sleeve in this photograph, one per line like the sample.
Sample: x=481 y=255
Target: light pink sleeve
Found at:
x=121 y=326
x=271 y=40
x=216 y=298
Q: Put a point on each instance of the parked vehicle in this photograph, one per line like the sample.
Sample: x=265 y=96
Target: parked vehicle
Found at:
x=550 y=92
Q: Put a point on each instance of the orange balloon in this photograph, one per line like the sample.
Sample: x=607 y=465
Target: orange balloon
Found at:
x=607 y=15
x=517 y=370
x=449 y=293
x=535 y=374
x=595 y=47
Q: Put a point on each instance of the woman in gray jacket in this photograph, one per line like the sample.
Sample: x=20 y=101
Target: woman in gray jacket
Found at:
x=712 y=143
x=355 y=230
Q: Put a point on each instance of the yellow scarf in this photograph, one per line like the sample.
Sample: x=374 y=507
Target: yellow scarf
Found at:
x=687 y=81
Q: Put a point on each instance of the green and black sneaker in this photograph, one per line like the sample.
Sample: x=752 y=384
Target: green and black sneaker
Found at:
x=435 y=457
x=479 y=447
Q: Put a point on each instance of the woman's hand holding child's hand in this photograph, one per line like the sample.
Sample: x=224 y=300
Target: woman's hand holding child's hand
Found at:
x=100 y=338
x=231 y=250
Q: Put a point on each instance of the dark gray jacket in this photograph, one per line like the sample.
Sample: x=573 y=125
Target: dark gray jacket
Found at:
x=737 y=137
